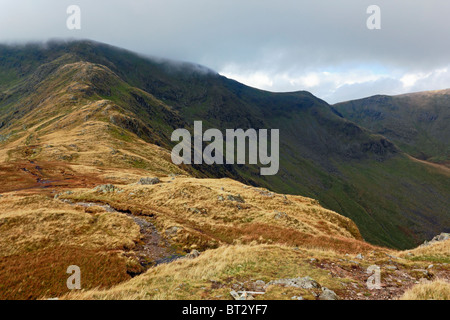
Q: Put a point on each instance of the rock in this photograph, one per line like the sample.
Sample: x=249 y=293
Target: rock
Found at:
x=441 y=237
x=220 y=198
x=430 y=266
x=149 y=181
x=304 y=283
x=236 y=198
x=280 y=215
x=106 y=188
x=359 y=256
x=391 y=267
x=198 y=211
x=297 y=298
x=328 y=294
x=193 y=254
x=259 y=285
x=392 y=257
x=172 y=231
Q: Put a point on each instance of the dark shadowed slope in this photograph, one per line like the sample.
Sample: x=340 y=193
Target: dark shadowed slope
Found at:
x=418 y=122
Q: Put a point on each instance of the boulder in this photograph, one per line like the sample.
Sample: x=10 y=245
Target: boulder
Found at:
x=149 y=181
x=193 y=254
x=328 y=294
x=236 y=198
x=106 y=188
x=304 y=283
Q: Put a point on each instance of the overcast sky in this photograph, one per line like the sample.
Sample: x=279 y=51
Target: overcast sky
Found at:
x=321 y=46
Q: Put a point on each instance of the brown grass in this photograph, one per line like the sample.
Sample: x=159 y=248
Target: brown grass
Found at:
x=40 y=238
x=207 y=221
x=212 y=274
x=437 y=252
x=436 y=290
x=42 y=273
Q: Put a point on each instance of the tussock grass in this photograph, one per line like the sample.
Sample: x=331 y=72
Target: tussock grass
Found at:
x=193 y=279
x=436 y=252
x=40 y=238
x=208 y=216
x=36 y=222
x=436 y=290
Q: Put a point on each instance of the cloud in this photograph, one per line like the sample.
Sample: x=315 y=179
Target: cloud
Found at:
x=322 y=46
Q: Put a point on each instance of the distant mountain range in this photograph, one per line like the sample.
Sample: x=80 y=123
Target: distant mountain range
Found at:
x=357 y=158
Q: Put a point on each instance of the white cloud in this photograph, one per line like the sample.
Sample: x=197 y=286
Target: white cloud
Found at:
x=346 y=84
x=321 y=46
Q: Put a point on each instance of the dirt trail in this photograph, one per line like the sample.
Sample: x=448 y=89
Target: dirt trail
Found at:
x=153 y=249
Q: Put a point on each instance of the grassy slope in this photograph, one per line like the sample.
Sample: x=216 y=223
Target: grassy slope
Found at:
x=73 y=137
x=323 y=156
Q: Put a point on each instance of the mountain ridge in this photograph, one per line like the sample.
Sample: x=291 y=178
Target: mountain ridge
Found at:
x=325 y=156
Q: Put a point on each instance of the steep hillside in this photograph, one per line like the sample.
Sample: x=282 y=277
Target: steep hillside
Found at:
x=49 y=94
x=87 y=180
x=416 y=122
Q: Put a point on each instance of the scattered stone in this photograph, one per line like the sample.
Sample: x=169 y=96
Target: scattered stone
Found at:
x=149 y=181
x=430 y=266
x=236 y=198
x=220 y=198
x=359 y=256
x=304 y=283
x=106 y=188
x=328 y=294
x=297 y=298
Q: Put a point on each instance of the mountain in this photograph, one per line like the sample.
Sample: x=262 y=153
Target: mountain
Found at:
x=82 y=103
x=87 y=180
x=417 y=122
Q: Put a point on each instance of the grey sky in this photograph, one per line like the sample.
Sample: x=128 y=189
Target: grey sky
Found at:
x=284 y=45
